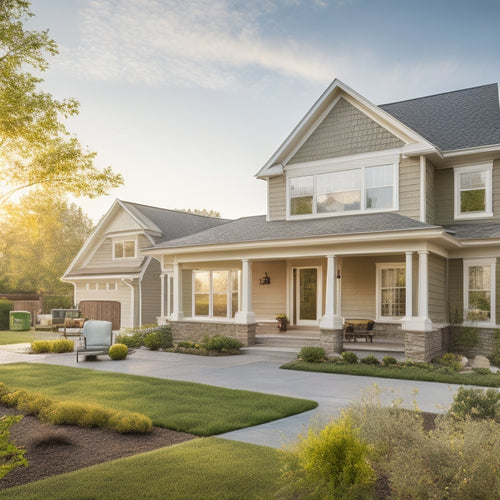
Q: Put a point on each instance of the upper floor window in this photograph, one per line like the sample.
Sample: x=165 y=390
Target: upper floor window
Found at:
x=473 y=191
x=125 y=249
x=361 y=189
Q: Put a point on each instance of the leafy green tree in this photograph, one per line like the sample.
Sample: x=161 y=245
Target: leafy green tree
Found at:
x=38 y=240
x=35 y=147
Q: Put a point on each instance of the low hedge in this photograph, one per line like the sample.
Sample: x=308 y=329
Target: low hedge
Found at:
x=74 y=413
x=150 y=336
x=54 y=346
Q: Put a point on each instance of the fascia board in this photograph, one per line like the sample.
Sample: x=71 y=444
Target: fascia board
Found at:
x=69 y=279
x=312 y=241
x=104 y=220
x=494 y=148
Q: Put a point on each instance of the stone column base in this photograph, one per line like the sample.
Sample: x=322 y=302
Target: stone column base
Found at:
x=194 y=331
x=424 y=346
x=331 y=341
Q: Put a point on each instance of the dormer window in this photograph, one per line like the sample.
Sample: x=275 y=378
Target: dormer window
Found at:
x=354 y=190
x=473 y=191
x=125 y=249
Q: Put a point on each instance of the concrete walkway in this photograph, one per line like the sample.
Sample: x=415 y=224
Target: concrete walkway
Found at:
x=258 y=370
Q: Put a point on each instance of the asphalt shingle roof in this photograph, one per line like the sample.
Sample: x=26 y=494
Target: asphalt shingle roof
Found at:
x=172 y=223
x=453 y=120
x=257 y=228
x=474 y=231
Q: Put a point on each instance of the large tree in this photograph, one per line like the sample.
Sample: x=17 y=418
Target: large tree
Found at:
x=39 y=238
x=35 y=147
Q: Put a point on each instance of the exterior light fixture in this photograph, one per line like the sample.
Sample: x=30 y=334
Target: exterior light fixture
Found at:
x=266 y=280
x=338 y=274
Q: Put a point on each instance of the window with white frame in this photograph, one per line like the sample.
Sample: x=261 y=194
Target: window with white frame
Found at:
x=102 y=285
x=215 y=293
x=473 y=191
x=364 y=189
x=479 y=290
x=124 y=249
x=391 y=290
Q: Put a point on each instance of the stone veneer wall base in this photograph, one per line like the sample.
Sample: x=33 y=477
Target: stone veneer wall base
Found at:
x=424 y=346
x=331 y=341
x=194 y=331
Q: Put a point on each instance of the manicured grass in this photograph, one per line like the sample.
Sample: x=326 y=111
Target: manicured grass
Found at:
x=209 y=468
x=404 y=373
x=200 y=409
x=15 y=337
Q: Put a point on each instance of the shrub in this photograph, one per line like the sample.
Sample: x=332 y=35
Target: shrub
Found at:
x=11 y=455
x=5 y=307
x=370 y=360
x=312 y=354
x=476 y=404
x=389 y=361
x=151 y=336
x=450 y=360
x=494 y=357
x=130 y=422
x=349 y=357
x=186 y=345
x=130 y=340
x=220 y=343
x=118 y=352
x=62 y=345
x=40 y=346
x=418 y=364
x=329 y=463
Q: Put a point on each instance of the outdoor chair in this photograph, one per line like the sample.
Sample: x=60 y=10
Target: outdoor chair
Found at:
x=97 y=338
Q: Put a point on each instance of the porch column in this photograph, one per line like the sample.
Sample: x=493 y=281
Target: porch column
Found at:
x=177 y=314
x=162 y=293
x=331 y=320
x=245 y=314
x=409 y=285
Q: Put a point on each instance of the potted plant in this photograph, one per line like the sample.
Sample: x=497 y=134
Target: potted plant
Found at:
x=282 y=319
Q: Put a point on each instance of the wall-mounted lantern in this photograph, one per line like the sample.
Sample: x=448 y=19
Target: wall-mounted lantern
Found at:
x=265 y=280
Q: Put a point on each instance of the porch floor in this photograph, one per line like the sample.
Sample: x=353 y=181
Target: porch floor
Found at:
x=268 y=337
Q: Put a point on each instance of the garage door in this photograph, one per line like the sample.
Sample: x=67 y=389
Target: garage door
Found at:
x=107 y=310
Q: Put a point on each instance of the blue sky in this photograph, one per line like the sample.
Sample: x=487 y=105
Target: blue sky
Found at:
x=189 y=98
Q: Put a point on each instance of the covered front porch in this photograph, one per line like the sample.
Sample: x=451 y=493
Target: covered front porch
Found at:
x=318 y=293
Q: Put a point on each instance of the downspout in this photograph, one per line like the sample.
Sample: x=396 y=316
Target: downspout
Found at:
x=423 y=189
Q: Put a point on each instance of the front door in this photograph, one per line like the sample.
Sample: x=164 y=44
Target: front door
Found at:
x=306 y=296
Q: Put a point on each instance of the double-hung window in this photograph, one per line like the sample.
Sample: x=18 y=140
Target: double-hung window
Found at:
x=124 y=249
x=473 y=191
x=391 y=291
x=354 y=190
x=215 y=293
x=479 y=290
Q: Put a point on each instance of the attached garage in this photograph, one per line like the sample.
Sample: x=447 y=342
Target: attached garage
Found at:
x=107 y=310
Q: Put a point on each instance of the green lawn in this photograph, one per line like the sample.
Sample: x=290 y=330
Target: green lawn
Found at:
x=200 y=409
x=404 y=373
x=15 y=337
x=209 y=468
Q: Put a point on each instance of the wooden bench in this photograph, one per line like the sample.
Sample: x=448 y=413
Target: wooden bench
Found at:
x=355 y=329
x=70 y=323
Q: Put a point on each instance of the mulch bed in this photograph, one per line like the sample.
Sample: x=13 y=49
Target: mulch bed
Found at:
x=52 y=449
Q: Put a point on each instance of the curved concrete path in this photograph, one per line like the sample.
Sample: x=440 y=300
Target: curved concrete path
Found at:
x=258 y=370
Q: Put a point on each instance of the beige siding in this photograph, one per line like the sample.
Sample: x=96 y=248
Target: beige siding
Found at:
x=187 y=287
x=276 y=187
x=409 y=187
x=358 y=288
x=345 y=131
x=103 y=257
x=456 y=290
x=269 y=300
x=429 y=192
x=437 y=289
x=123 y=294
x=151 y=293
x=122 y=222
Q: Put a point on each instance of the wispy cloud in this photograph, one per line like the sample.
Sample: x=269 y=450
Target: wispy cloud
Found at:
x=210 y=43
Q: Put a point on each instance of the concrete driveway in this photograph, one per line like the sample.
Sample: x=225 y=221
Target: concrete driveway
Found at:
x=258 y=370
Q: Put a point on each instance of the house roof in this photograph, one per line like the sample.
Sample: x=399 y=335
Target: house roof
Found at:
x=257 y=228
x=454 y=120
x=172 y=224
x=474 y=231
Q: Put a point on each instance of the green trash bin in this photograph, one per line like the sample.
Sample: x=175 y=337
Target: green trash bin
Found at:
x=19 y=320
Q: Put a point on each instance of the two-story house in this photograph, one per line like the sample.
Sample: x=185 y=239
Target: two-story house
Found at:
x=387 y=212
x=112 y=279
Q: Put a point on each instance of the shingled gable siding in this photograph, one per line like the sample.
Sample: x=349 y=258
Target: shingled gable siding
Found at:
x=345 y=131
x=103 y=257
x=444 y=196
x=409 y=187
x=276 y=198
x=455 y=290
x=437 y=289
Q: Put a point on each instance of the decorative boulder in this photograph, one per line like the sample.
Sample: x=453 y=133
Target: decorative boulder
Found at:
x=480 y=362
